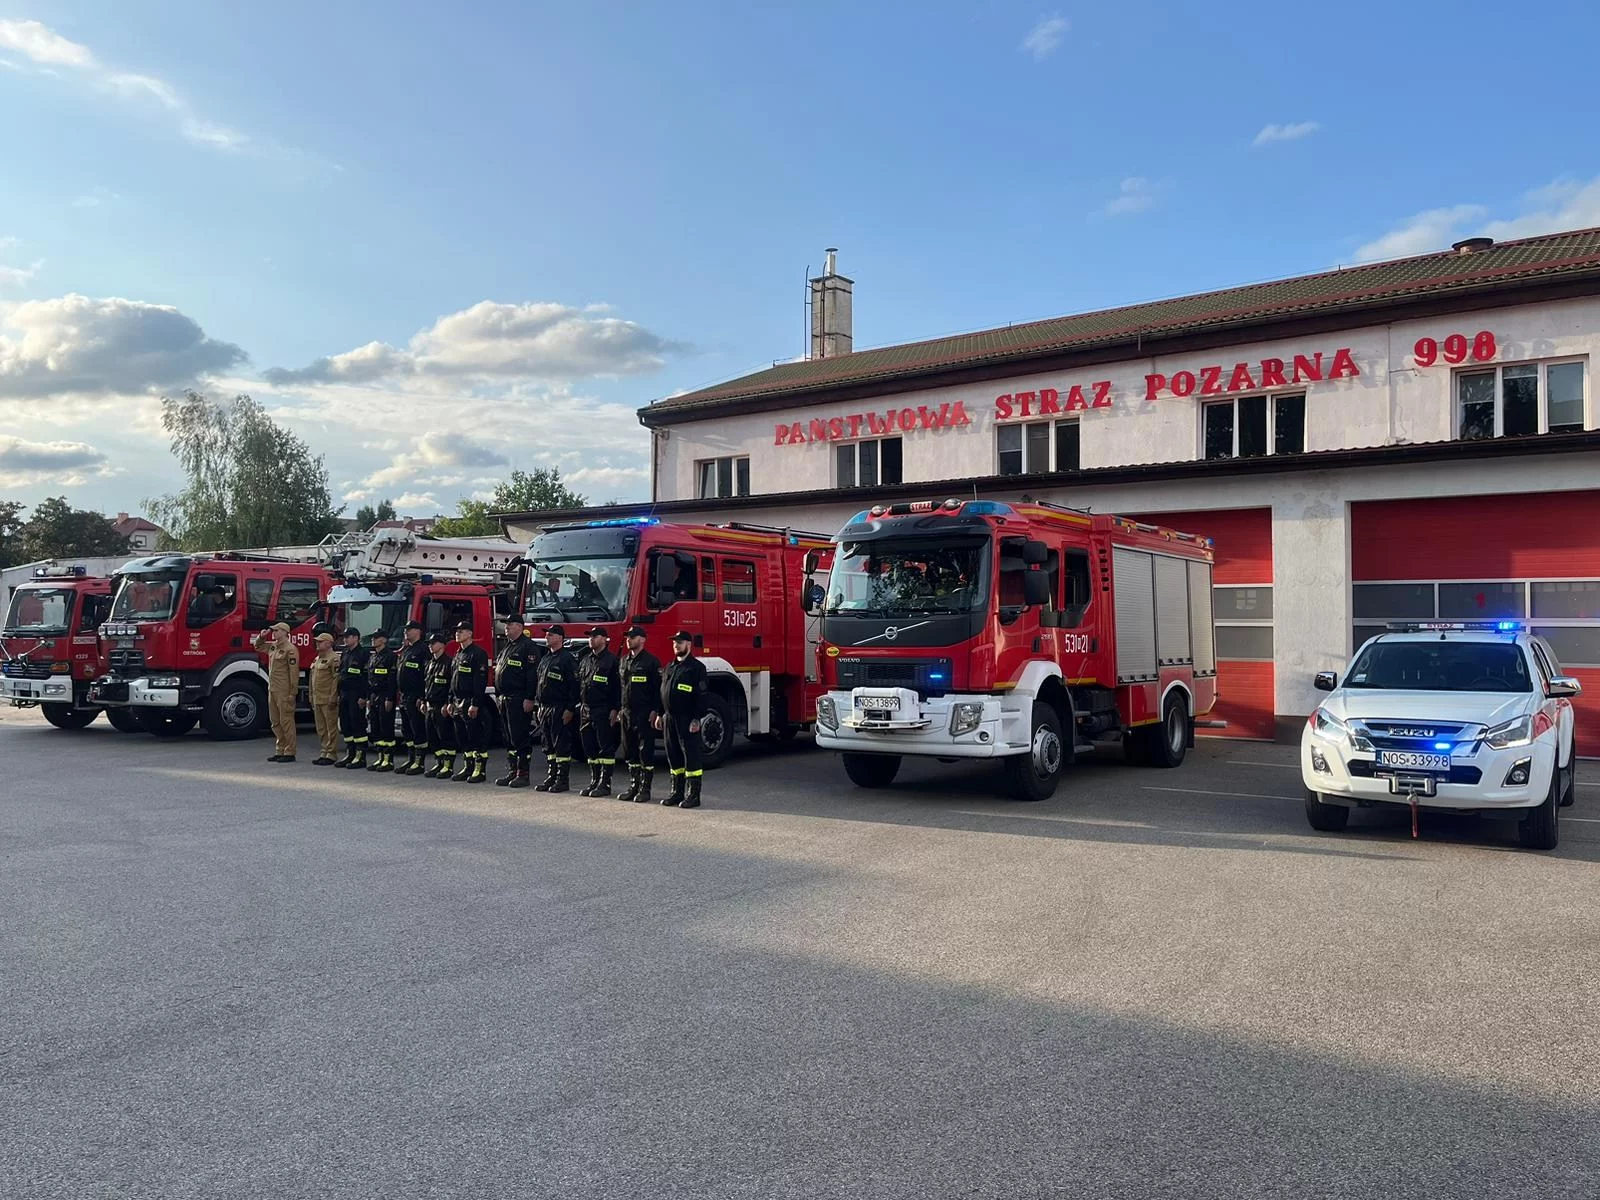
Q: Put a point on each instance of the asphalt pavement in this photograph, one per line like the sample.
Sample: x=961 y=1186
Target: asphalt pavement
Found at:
x=224 y=978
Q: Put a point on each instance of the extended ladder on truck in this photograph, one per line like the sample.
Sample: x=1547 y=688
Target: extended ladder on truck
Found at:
x=398 y=553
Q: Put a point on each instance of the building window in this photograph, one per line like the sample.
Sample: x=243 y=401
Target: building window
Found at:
x=1521 y=399
x=1254 y=426
x=1037 y=447
x=867 y=464
x=1565 y=612
x=1243 y=620
x=722 y=477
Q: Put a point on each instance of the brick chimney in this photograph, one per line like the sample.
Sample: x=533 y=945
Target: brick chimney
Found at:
x=830 y=311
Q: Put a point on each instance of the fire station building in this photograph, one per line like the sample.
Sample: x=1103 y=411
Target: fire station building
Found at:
x=1415 y=439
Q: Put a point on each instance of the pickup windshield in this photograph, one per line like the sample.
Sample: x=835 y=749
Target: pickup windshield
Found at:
x=1441 y=666
x=39 y=611
x=895 y=577
x=152 y=597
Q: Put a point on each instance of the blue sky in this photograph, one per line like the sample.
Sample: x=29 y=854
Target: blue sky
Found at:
x=536 y=217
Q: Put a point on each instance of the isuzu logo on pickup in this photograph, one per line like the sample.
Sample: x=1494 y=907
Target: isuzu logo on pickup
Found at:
x=1409 y=731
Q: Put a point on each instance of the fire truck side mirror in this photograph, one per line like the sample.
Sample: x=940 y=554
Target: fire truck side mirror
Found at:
x=813 y=598
x=1035 y=586
x=808 y=564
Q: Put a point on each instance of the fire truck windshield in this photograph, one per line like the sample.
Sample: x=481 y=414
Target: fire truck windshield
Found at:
x=39 y=611
x=894 y=577
x=370 y=617
x=148 y=597
x=570 y=586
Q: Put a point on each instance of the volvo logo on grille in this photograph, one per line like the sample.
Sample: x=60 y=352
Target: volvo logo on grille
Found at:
x=1409 y=731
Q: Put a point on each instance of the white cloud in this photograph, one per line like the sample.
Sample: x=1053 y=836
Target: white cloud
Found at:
x=1134 y=195
x=432 y=452
x=77 y=345
x=17 y=276
x=1292 y=132
x=416 y=504
x=23 y=463
x=1564 y=204
x=1046 y=34
x=530 y=341
x=48 y=49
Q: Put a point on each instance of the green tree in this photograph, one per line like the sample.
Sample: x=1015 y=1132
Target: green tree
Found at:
x=367 y=516
x=57 y=530
x=526 y=491
x=11 y=550
x=250 y=481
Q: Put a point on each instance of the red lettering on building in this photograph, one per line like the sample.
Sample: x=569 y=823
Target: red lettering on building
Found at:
x=1249 y=377
x=1076 y=400
x=1241 y=380
x=1002 y=406
x=1154 y=385
x=855 y=425
x=1026 y=400
x=1183 y=383
x=780 y=435
x=1049 y=401
x=879 y=425
x=1343 y=364
x=1102 y=394
x=1307 y=371
x=1210 y=381
x=1272 y=373
x=819 y=430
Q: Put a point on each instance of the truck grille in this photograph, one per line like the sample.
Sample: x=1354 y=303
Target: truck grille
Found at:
x=1363 y=769
x=1417 y=735
x=127 y=662
x=26 y=670
x=927 y=676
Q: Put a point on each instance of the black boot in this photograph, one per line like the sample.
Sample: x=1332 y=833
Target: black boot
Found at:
x=480 y=769
x=359 y=762
x=642 y=796
x=563 y=777
x=349 y=756
x=549 y=780
x=692 y=800
x=445 y=764
x=512 y=766
x=419 y=761
x=465 y=769
x=519 y=771
x=675 y=797
x=411 y=761
x=633 y=783
x=385 y=761
x=603 y=788
x=594 y=781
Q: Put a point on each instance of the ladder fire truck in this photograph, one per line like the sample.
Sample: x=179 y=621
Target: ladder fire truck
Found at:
x=736 y=589
x=1026 y=632
x=50 y=652
x=178 y=640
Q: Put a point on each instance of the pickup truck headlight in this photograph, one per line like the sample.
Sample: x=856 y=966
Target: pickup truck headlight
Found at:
x=827 y=714
x=965 y=717
x=1520 y=731
x=1325 y=725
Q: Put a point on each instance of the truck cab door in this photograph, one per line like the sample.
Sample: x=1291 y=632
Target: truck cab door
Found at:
x=678 y=581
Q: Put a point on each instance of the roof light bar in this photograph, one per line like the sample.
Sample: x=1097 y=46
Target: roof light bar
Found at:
x=1456 y=626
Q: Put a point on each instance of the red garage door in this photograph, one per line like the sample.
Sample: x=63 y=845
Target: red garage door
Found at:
x=1532 y=557
x=1243 y=596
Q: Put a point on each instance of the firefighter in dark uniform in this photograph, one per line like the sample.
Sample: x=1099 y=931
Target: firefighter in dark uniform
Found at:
x=469 y=683
x=641 y=701
x=436 y=700
x=600 y=693
x=514 y=681
x=382 y=681
x=353 y=700
x=413 y=721
x=557 y=694
x=683 y=704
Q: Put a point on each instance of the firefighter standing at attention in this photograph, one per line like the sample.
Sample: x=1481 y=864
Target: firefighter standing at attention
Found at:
x=436 y=700
x=641 y=701
x=413 y=722
x=283 y=681
x=683 y=704
x=514 y=681
x=353 y=700
x=325 y=699
x=382 y=679
x=469 y=683
x=600 y=695
x=557 y=694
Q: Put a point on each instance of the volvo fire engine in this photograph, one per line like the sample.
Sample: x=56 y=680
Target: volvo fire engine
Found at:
x=50 y=652
x=736 y=589
x=1027 y=632
x=179 y=639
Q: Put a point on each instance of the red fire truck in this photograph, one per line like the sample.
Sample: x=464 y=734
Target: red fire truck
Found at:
x=1027 y=632
x=736 y=588
x=178 y=638
x=50 y=651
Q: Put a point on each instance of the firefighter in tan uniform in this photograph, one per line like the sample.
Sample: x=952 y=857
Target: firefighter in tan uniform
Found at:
x=325 y=699
x=283 y=681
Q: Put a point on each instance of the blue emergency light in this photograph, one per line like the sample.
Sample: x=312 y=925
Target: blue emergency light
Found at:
x=613 y=522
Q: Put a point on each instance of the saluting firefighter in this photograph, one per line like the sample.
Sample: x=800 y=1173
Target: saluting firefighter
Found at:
x=469 y=683
x=514 y=680
x=600 y=702
x=382 y=668
x=325 y=699
x=683 y=704
x=283 y=681
x=436 y=699
x=413 y=722
x=353 y=700
x=557 y=694
x=641 y=702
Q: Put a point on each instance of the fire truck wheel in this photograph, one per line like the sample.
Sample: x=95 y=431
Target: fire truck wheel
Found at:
x=236 y=709
x=165 y=724
x=716 y=731
x=1034 y=775
x=123 y=720
x=64 y=716
x=871 y=770
x=1169 y=741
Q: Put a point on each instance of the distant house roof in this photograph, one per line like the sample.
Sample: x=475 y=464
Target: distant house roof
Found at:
x=412 y=524
x=128 y=526
x=1483 y=275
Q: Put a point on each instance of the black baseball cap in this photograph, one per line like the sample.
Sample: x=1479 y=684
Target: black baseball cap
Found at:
x=413 y=624
x=438 y=637
x=378 y=633
x=556 y=629
x=514 y=621
x=351 y=631
x=683 y=636
x=636 y=631
x=467 y=625
x=598 y=632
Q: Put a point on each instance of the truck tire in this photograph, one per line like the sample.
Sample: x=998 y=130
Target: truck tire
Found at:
x=124 y=720
x=166 y=722
x=871 y=770
x=1034 y=775
x=1326 y=818
x=64 y=716
x=236 y=709
x=1541 y=828
x=1162 y=744
x=716 y=731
